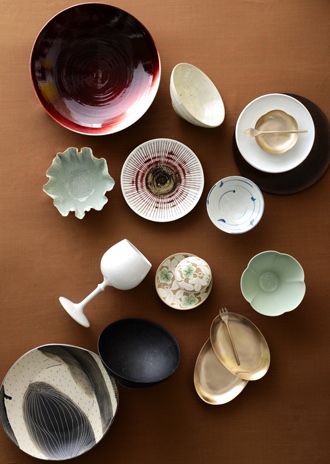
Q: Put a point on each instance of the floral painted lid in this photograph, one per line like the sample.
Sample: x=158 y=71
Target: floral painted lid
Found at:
x=183 y=281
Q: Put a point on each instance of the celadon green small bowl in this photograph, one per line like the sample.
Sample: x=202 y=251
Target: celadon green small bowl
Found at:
x=273 y=283
x=78 y=181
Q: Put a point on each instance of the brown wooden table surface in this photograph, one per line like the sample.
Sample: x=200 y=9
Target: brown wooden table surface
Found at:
x=248 y=48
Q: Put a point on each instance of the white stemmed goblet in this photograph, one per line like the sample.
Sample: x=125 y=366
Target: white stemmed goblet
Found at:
x=123 y=267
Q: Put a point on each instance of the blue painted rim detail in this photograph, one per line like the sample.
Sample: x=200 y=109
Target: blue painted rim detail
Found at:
x=215 y=196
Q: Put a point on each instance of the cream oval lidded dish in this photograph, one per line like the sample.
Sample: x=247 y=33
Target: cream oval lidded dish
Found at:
x=276 y=120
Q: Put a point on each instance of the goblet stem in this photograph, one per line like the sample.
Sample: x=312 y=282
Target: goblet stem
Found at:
x=76 y=310
x=93 y=294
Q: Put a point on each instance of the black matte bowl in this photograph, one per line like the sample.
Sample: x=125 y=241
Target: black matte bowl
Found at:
x=138 y=352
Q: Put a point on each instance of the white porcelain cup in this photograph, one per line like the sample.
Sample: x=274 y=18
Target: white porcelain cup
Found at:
x=123 y=266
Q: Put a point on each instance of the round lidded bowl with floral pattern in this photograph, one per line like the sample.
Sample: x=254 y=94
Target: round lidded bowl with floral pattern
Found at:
x=183 y=281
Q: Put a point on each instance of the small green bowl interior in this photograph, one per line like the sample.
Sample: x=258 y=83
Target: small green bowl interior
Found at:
x=78 y=182
x=273 y=283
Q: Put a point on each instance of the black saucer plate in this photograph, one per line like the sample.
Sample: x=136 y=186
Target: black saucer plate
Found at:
x=304 y=175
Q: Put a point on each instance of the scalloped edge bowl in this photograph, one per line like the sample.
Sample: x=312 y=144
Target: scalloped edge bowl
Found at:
x=262 y=283
x=78 y=181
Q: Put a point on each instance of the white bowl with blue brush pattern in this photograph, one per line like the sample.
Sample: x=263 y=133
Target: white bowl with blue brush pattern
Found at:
x=235 y=204
x=78 y=182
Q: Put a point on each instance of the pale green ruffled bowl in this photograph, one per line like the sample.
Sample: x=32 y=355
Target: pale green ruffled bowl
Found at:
x=273 y=283
x=78 y=182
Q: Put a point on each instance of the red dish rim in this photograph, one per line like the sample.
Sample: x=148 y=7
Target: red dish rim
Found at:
x=111 y=128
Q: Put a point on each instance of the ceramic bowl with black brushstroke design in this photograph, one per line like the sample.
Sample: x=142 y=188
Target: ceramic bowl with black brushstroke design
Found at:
x=57 y=401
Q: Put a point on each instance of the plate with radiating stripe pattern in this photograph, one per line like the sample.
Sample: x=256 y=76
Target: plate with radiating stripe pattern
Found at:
x=57 y=401
x=162 y=180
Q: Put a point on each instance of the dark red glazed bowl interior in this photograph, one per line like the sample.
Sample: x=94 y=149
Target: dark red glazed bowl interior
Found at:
x=95 y=68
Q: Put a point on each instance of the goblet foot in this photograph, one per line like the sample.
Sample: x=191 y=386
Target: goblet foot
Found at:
x=75 y=311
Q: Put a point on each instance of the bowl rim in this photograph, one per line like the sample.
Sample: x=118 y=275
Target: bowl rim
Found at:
x=101 y=131
x=113 y=383
x=246 y=270
x=130 y=379
x=261 y=197
x=175 y=95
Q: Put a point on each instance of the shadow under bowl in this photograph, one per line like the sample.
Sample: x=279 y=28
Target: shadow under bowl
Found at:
x=95 y=68
x=138 y=352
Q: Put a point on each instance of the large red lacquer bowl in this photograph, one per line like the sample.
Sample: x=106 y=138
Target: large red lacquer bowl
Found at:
x=95 y=68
